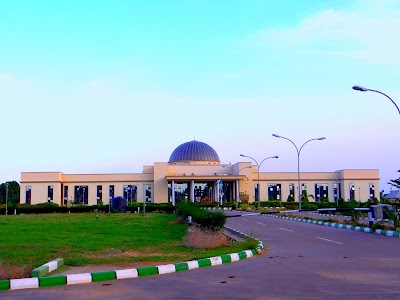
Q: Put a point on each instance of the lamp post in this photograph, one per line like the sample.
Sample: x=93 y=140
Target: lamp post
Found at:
x=363 y=89
x=298 y=160
x=237 y=183
x=6 y=197
x=258 y=174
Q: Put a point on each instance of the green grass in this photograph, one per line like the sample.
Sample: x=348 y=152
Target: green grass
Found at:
x=33 y=240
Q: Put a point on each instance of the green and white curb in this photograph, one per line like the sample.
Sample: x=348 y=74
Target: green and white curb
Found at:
x=342 y=226
x=59 y=280
x=47 y=268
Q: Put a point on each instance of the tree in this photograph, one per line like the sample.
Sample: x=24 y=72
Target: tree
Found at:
x=13 y=192
x=395 y=182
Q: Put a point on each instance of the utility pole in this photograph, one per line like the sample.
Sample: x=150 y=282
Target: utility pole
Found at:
x=6 y=196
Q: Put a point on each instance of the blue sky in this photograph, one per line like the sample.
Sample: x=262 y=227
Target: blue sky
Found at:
x=110 y=86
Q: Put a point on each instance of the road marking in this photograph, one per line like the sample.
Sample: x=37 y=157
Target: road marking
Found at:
x=245 y=220
x=285 y=229
x=329 y=240
x=261 y=223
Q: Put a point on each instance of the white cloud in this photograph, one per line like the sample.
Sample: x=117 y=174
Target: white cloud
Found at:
x=368 y=33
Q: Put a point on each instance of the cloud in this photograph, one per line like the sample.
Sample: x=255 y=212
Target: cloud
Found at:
x=368 y=33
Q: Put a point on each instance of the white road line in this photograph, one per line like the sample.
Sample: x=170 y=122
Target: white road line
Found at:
x=245 y=220
x=329 y=240
x=261 y=223
x=285 y=229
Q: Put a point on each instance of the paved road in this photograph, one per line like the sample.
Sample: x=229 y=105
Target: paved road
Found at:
x=305 y=261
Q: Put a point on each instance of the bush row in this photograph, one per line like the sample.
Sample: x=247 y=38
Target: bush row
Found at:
x=207 y=220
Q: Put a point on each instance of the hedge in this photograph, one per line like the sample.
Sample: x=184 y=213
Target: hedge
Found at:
x=208 y=220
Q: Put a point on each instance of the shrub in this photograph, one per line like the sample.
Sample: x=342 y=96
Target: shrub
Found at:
x=206 y=220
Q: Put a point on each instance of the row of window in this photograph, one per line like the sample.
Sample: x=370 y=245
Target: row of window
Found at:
x=81 y=193
x=320 y=191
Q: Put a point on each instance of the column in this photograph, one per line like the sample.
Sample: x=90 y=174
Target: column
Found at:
x=237 y=190
x=173 y=192
x=192 y=191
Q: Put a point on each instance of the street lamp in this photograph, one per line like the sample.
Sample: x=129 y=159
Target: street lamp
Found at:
x=258 y=174
x=237 y=184
x=6 y=197
x=363 y=89
x=298 y=159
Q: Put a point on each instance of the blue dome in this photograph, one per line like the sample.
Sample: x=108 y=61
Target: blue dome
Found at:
x=194 y=151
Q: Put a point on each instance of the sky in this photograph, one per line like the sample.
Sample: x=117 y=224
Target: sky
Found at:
x=110 y=86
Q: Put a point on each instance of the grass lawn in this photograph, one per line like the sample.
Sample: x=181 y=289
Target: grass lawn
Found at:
x=33 y=240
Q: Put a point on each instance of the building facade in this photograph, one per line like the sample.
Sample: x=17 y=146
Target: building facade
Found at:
x=194 y=172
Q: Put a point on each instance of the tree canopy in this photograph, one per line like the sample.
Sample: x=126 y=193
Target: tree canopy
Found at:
x=395 y=182
x=13 y=192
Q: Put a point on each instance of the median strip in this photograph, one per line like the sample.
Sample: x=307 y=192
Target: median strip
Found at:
x=70 y=279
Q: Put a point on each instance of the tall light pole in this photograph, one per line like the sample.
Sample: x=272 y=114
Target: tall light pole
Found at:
x=258 y=174
x=6 y=196
x=298 y=160
x=237 y=184
x=363 y=89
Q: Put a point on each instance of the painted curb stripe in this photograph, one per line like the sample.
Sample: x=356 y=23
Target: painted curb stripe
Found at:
x=24 y=283
x=51 y=265
x=165 y=269
x=216 y=261
x=193 y=264
x=4 y=285
x=52 y=281
x=147 y=271
x=79 y=278
x=242 y=255
x=226 y=259
x=41 y=271
x=127 y=273
x=103 y=276
x=205 y=262
x=234 y=257
x=179 y=267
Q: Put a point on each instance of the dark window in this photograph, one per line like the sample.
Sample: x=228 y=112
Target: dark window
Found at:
x=320 y=191
x=28 y=194
x=111 y=191
x=50 y=193
x=65 y=194
x=371 y=190
x=148 y=193
x=256 y=191
x=351 y=190
x=130 y=193
x=81 y=194
x=274 y=191
x=99 y=194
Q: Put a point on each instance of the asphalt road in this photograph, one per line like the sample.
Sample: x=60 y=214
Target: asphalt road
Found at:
x=304 y=261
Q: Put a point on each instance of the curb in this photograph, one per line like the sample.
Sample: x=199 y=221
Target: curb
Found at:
x=327 y=215
x=70 y=279
x=47 y=268
x=343 y=226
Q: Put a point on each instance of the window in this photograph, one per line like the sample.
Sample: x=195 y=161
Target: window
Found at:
x=65 y=194
x=320 y=191
x=336 y=191
x=148 y=193
x=256 y=191
x=351 y=190
x=274 y=191
x=28 y=194
x=81 y=194
x=130 y=193
x=111 y=192
x=99 y=194
x=371 y=190
x=50 y=193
